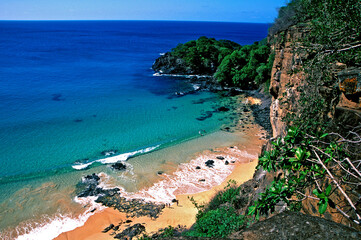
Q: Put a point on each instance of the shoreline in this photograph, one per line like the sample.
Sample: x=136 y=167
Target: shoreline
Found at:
x=243 y=169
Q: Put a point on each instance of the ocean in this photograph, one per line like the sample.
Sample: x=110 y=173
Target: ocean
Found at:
x=76 y=96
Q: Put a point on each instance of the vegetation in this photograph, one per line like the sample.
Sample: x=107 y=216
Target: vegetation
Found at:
x=218 y=218
x=247 y=67
x=204 y=54
x=320 y=162
x=233 y=65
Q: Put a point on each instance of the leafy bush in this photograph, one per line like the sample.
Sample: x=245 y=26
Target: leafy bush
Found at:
x=204 y=54
x=307 y=161
x=217 y=223
x=247 y=67
x=228 y=195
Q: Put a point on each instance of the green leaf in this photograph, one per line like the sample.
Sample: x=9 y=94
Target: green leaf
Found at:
x=315 y=191
x=322 y=207
x=251 y=210
x=324 y=135
x=328 y=190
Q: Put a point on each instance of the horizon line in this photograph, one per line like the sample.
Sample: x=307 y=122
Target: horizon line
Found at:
x=69 y=20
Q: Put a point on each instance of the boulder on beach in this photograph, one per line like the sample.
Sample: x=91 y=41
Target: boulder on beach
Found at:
x=107 y=229
x=210 y=163
x=131 y=232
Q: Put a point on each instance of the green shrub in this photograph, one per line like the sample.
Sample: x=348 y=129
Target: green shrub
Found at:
x=204 y=54
x=228 y=195
x=247 y=67
x=217 y=223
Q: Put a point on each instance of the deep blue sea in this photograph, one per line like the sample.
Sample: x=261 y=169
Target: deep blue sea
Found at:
x=70 y=90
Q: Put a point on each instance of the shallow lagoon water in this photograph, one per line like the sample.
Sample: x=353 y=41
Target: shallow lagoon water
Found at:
x=71 y=90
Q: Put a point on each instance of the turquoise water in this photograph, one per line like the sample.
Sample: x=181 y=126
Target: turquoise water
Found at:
x=70 y=90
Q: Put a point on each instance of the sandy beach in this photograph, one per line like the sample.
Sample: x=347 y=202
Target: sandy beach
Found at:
x=244 y=155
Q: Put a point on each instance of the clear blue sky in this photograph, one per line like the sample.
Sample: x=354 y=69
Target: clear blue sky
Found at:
x=189 y=10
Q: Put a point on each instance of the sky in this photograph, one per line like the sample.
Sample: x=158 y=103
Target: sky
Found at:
x=259 y=11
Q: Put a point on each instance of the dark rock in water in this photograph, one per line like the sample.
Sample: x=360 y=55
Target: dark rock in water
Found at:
x=119 y=166
x=78 y=120
x=210 y=163
x=57 y=97
x=109 y=152
x=226 y=162
x=160 y=172
x=202 y=180
x=89 y=187
x=220 y=158
x=205 y=115
x=232 y=92
x=107 y=229
x=198 y=167
x=227 y=129
x=223 y=109
x=93 y=178
x=131 y=232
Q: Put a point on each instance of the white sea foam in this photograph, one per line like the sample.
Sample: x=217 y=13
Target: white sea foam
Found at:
x=158 y=74
x=186 y=180
x=114 y=159
x=81 y=166
x=50 y=228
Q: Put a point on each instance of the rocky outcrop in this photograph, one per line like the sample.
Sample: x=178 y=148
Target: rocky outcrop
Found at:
x=169 y=64
x=348 y=109
x=294 y=225
x=286 y=76
x=89 y=187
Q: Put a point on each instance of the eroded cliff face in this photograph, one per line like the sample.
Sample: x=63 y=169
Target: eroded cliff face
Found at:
x=286 y=76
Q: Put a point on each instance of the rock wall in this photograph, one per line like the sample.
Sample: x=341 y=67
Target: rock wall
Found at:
x=286 y=76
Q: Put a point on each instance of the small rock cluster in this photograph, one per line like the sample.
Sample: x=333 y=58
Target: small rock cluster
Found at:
x=89 y=186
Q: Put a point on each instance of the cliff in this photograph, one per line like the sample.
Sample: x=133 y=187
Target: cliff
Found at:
x=342 y=101
x=286 y=76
